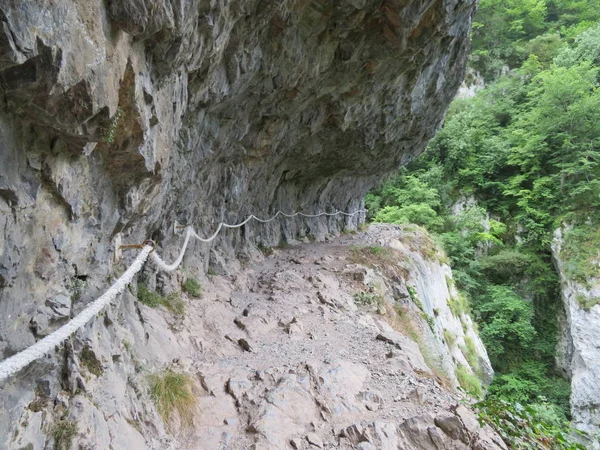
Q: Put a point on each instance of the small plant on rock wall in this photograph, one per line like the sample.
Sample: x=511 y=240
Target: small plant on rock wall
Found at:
x=172 y=394
x=173 y=302
x=368 y=298
x=469 y=382
x=265 y=250
x=450 y=338
x=192 y=287
x=63 y=433
x=109 y=136
x=522 y=427
x=77 y=286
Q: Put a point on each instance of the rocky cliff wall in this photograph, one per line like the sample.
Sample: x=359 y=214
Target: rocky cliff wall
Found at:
x=124 y=116
x=578 y=354
x=316 y=346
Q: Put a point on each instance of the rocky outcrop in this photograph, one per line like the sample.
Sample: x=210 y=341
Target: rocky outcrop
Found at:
x=304 y=349
x=119 y=117
x=578 y=354
x=123 y=116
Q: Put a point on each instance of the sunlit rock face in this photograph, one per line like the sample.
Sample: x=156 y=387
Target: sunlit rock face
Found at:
x=578 y=355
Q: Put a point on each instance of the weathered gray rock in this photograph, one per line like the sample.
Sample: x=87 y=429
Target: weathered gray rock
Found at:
x=578 y=353
x=124 y=116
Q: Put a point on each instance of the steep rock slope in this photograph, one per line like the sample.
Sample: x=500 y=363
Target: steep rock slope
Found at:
x=288 y=353
x=578 y=353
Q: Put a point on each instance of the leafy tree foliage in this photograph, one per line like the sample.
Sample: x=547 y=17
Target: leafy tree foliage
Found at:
x=522 y=157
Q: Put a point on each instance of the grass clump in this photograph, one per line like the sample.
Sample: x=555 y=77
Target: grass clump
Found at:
x=450 y=338
x=148 y=297
x=459 y=305
x=63 y=433
x=587 y=303
x=192 y=287
x=368 y=298
x=400 y=320
x=469 y=382
x=430 y=321
x=265 y=249
x=173 y=302
x=172 y=394
x=77 y=286
x=470 y=352
x=580 y=253
x=90 y=362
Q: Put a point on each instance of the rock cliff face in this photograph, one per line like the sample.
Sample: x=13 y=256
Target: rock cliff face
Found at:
x=122 y=116
x=578 y=352
x=317 y=346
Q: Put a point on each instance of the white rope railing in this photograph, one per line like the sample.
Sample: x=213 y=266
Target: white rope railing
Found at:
x=15 y=363
x=191 y=233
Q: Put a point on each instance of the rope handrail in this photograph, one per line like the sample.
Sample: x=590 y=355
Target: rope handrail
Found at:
x=19 y=361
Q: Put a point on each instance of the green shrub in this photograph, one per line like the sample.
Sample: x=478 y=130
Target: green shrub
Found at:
x=471 y=354
x=412 y=292
x=172 y=393
x=587 y=303
x=192 y=287
x=265 y=249
x=63 y=433
x=528 y=427
x=459 y=305
x=469 y=382
x=368 y=298
x=173 y=302
x=430 y=321
x=450 y=338
x=148 y=297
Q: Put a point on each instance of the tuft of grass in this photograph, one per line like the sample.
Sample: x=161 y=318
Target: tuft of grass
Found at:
x=192 y=287
x=265 y=250
x=172 y=394
x=430 y=321
x=128 y=345
x=211 y=272
x=109 y=135
x=173 y=302
x=148 y=297
x=77 y=286
x=469 y=382
x=450 y=338
x=400 y=320
x=459 y=305
x=412 y=292
x=90 y=362
x=587 y=303
x=63 y=433
x=368 y=298
x=470 y=352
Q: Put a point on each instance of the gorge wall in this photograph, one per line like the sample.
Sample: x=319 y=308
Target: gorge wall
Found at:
x=578 y=353
x=126 y=115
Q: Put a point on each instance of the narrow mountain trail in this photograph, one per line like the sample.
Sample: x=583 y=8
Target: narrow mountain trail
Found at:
x=284 y=358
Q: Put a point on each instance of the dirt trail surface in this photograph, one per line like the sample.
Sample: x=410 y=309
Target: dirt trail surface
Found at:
x=284 y=358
